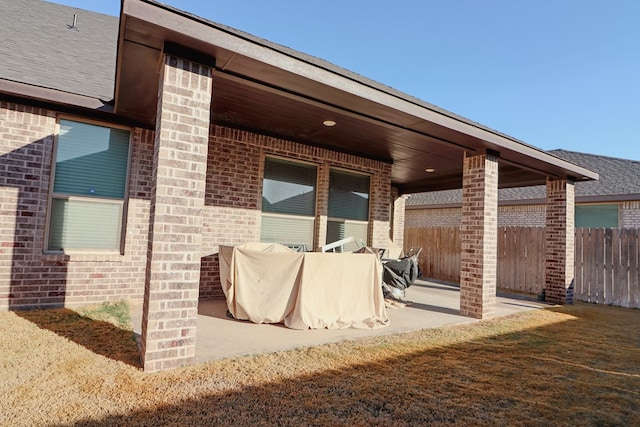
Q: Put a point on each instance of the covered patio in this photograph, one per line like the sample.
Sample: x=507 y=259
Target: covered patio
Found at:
x=429 y=304
x=225 y=139
x=227 y=106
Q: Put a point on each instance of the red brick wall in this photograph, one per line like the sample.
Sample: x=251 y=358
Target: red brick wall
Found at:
x=179 y=169
x=560 y=241
x=30 y=278
x=231 y=213
x=234 y=191
x=398 y=225
x=479 y=237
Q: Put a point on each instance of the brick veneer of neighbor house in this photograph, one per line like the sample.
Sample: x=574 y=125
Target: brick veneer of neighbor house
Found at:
x=560 y=241
x=233 y=200
x=479 y=237
x=29 y=277
x=509 y=216
x=630 y=214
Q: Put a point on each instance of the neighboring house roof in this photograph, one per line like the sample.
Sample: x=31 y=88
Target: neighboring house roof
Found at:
x=619 y=180
x=41 y=48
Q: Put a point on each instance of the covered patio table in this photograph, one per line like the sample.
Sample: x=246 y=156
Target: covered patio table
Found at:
x=270 y=283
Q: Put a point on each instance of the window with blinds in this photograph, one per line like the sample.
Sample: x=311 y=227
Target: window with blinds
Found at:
x=288 y=202
x=348 y=207
x=89 y=187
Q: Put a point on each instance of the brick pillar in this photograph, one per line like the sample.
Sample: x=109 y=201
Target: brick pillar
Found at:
x=479 y=237
x=322 y=208
x=398 y=204
x=560 y=241
x=379 y=225
x=177 y=201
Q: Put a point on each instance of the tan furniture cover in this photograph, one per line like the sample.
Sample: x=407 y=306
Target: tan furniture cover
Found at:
x=270 y=283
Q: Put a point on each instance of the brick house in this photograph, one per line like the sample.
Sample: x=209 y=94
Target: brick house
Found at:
x=613 y=201
x=131 y=147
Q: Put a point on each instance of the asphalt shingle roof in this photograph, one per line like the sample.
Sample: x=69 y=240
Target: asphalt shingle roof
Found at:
x=39 y=48
x=617 y=177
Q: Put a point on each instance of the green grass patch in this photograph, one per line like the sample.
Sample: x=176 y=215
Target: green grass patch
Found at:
x=117 y=313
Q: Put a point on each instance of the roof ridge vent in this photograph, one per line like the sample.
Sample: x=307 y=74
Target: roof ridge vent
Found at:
x=74 y=26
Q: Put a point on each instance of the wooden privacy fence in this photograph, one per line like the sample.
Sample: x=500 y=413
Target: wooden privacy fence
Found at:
x=606 y=260
x=440 y=256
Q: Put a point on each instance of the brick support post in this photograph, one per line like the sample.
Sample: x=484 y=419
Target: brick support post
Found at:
x=478 y=262
x=560 y=241
x=177 y=200
x=322 y=208
x=379 y=214
x=398 y=205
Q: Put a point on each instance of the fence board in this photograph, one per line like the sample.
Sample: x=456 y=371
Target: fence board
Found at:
x=607 y=263
x=500 y=280
x=582 y=239
x=599 y=264
x=619 y=289
x=518 y=278
x=625 y=256
x=509 y=267
x=589 y=266
x=539 y=260
x=525 y=265
x=598 y=234
x=634 y=268
x=579 y=265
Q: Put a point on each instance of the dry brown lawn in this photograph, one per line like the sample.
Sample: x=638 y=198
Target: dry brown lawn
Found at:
x=573 y=365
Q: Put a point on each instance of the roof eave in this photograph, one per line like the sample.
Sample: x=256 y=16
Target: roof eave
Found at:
x=168 y=22
x=54 y=96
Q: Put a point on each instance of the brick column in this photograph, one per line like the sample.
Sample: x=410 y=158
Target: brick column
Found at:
x=479 y=236
x=177 y=200
x=560 y=241
x=398 y=204
x=322 y=208
x=379 y=197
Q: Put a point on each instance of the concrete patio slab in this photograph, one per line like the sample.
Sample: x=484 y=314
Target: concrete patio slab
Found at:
x=429 y=305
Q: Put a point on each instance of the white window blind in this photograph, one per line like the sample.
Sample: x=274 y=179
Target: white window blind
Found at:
x=91 y=160
x=287 y=230
x=289 y=187
x=348 y=195
x=341 y=229
x=348 y=208
x=82 y=224
x=288 y=202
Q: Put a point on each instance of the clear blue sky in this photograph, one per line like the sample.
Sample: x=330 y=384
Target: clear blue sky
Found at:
x=552 y=73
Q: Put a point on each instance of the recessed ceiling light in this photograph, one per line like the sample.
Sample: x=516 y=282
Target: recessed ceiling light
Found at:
x=429 y=170
x=329 y=123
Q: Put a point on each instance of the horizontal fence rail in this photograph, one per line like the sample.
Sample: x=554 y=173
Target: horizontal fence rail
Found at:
x=606 y=260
